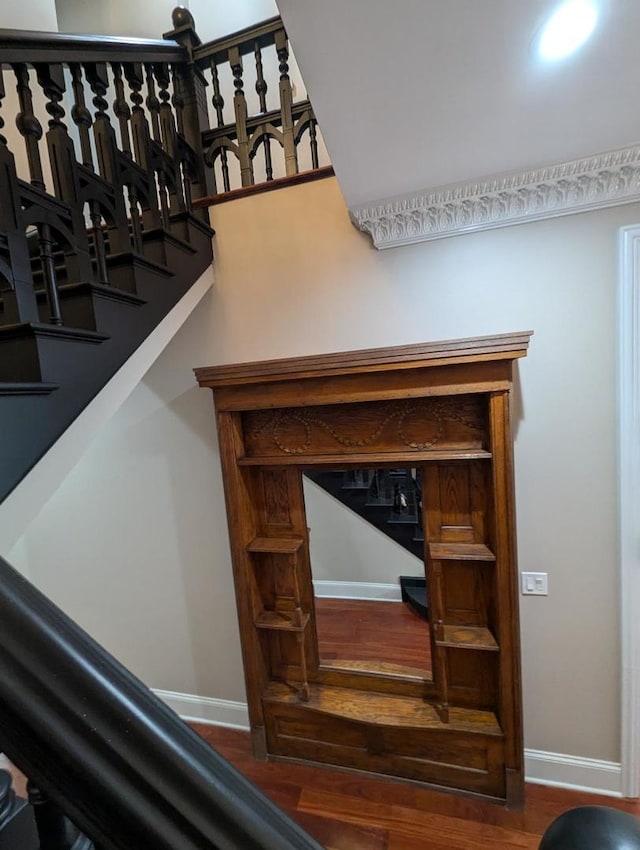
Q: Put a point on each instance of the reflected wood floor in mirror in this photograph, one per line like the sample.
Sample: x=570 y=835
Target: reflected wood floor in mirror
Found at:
x=364 y=634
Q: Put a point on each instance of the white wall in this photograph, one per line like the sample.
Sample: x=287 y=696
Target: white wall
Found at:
x=152 y=18
x=134 y=543
x=345 y=547
x=141 y=18
x=31 y=15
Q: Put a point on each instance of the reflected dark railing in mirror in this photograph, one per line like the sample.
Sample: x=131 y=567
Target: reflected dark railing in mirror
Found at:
x=365 y=619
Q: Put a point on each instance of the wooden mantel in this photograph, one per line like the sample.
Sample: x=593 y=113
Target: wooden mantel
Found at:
x=381 y=373
x=442 y=410
x=471 y=349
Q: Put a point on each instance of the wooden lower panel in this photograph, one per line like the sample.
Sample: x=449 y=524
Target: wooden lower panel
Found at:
x=452 y=759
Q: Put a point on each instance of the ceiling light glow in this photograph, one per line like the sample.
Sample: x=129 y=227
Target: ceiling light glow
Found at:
x=567 y=29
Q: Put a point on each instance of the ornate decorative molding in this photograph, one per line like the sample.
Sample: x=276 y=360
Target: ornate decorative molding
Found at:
x=605 y=180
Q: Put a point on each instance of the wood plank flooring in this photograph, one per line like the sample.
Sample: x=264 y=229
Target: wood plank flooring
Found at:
x=362 y=630
x=346 y=811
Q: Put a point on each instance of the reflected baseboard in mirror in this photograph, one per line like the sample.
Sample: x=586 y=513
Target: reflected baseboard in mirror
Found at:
x=426 y=427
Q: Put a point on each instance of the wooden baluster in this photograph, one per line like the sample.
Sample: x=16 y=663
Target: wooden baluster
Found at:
x=98 y=78
x=51 y=80
x=46 y=242
x=136 y=222
x=55 y=830
x=169 y=136
x=121 y=108
x=167 y=124
x=141 y=141
x=153 y=104
x=240 y=109
x=99 y=244
x=286 y=104
x=139 y=126
x=62 y=158
x=28 y=125
x=123 y=113
x=81 y=115
x=3 y=93
x=218 y=104
x=19 y=300
x=261 y=90
x=178 y=99
x=109 y=166
x=313 y=143
x=178 y=106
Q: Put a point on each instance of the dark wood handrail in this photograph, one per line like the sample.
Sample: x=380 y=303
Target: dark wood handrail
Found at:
x=28 y=46
x=97 y=742
x=244 y=39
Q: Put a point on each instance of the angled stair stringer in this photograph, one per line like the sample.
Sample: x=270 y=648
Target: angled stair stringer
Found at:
x=24 y=503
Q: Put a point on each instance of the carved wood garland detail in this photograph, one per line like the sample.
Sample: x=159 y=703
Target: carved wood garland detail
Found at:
x=295 y=430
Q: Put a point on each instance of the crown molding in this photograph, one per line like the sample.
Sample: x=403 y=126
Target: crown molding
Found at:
x=605 y=180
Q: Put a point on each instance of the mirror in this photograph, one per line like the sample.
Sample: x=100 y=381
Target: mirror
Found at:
x=367 y=558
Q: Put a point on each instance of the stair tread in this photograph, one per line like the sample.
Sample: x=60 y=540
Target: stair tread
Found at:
x=385 y=709
x=26 y=388
x=43 y=329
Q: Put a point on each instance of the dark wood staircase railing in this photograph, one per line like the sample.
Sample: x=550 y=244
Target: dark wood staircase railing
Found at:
x=107 y=162
x=100 y=160
x=105 y=156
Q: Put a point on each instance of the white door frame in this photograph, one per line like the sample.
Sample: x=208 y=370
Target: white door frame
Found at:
x=629 y=502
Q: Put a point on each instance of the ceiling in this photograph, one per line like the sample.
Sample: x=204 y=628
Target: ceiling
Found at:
x=413 y=95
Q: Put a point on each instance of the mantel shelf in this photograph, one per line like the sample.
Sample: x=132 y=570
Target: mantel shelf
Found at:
x=368 y=458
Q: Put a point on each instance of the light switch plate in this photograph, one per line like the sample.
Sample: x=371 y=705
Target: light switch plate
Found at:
x=534 y=584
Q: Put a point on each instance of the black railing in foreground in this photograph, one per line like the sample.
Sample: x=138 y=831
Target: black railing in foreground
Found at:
x=127 y=771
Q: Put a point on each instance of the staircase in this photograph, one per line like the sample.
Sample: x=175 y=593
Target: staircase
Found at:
x=103 y=223
x=108 y=163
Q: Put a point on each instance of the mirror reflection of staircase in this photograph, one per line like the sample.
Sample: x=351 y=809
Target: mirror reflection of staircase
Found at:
x=391 y=501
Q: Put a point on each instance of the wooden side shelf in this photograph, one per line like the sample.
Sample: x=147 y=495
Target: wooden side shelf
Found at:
x=467 y=637
x=460 y=552
x=288 y=621
x=275 y=545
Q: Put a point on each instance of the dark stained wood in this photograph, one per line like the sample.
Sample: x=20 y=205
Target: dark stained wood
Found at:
x=269 y=186
x=442 y=408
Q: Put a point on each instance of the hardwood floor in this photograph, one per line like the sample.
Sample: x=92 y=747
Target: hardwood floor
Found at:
x=346 y=811
x=363 y=630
